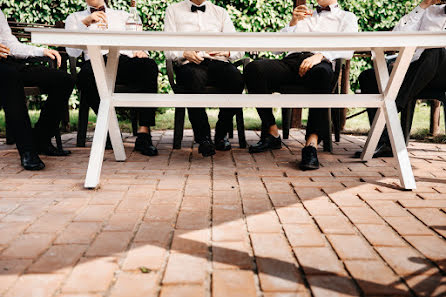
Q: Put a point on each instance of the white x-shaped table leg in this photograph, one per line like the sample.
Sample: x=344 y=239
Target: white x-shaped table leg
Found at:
x=107 y=120
x=388 y=113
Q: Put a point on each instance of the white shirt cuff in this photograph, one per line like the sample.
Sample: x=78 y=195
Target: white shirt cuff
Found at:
x=289 y=28
x=39 y=52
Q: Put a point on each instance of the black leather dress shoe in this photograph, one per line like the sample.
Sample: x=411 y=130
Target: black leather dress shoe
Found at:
x=309 y=158
x=383 y=150
x=144 y=145
x=50 y=150
x=206 y=148
x=266 y=143
x=222 y=144
x=31 y=161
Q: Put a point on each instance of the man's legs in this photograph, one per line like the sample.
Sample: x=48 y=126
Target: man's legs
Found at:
x=266 y=77
x=193 y=78
x=427 y=72
x=140 y=75
x=319 y=80
x=228 y=80
x=16 y=113
x=59 y=86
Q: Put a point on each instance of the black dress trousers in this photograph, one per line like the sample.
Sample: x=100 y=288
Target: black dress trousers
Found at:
x=225 y=78
x=429 y=71
x=268 y=76
x=139 y=75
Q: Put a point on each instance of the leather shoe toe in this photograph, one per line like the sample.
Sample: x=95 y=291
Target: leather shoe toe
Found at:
x=31 y=161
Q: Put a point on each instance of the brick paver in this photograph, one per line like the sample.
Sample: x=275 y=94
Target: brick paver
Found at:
x=232 y=225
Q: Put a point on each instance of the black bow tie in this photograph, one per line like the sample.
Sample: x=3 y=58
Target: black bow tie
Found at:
x=195 y=8
x=92 y=9
x=319 y=9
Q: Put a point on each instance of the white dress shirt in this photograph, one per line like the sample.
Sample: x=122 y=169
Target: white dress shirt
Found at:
x=431 y=19
x=18 y=49
x=116 y=20
x=336 y=20
x=180 y=18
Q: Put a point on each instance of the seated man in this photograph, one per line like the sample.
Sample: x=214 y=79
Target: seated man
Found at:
x=196 y=70
x=314 y=70
x=15 y=75
x=427 y=70
x=135 y=69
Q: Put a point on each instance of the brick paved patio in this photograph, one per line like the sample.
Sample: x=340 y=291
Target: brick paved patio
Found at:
x=236 y=225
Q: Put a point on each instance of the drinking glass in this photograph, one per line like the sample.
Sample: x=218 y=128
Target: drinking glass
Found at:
x=309 y=10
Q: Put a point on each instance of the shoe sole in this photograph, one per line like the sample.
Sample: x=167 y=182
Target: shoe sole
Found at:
x=208 y=154
x=142 y=153
x=34 y=168
x=308 y=167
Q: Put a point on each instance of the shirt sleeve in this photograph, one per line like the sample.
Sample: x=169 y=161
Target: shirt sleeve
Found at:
x=18 y=49
x=412 y=21
x=72 y=24
x=170 y=26
x=350 y=26
x=288 y=29
x=228 y=27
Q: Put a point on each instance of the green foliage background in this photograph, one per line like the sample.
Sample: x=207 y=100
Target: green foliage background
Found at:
x=248 y=16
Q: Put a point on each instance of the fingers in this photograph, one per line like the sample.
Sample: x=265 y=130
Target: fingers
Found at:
x=5 y=51
x=141 y=55
x=305 y=66
x=58 y=57
x=50 y=55
x=101 y=15
x=197 y=59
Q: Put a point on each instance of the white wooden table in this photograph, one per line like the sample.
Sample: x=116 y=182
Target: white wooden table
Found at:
x=377 y=42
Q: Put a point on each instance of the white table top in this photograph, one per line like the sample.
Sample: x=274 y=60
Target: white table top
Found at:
x=363 y=41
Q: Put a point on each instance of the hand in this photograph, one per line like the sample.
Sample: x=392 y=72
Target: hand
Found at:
x=299 y=14
x=4 y=51
x=426 y=3
x=140 y=54
x=95 y=17
x=219 y=54
x=309 y=63
x=54 y=55
x=192 y=56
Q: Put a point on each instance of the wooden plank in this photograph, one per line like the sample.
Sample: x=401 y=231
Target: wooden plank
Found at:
x=247 y=100
x=363 y=41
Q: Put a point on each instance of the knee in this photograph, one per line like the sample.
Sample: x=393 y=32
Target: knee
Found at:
x=252 y=69
x=434 y=51
x=235 y=82
x=324 y=77
x=253 y=73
